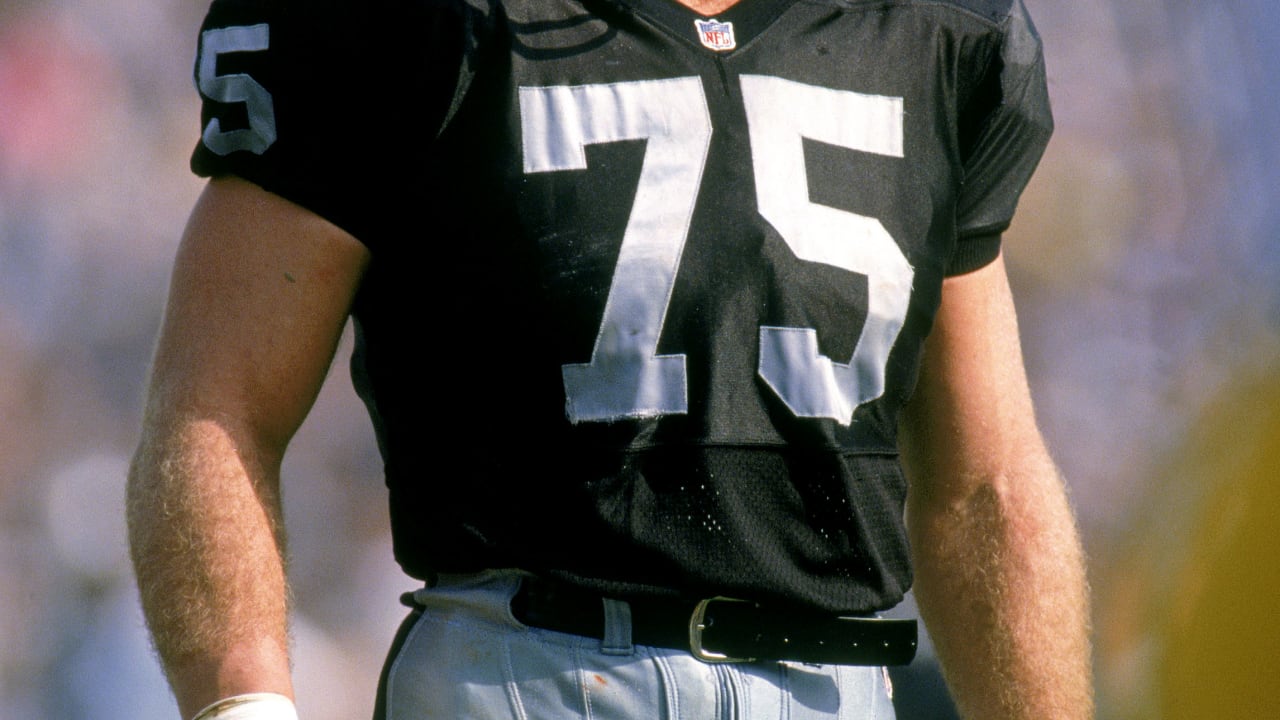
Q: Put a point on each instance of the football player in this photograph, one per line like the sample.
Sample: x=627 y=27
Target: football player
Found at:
x=689 y=290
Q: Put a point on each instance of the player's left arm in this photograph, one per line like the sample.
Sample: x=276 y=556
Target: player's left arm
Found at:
x=1000 y=575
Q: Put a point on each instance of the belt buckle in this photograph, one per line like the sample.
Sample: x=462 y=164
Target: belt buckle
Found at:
x=697 y=624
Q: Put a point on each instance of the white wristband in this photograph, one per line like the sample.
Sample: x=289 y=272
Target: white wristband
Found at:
x=250 y=706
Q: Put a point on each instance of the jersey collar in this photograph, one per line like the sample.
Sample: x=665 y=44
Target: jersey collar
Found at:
x=722 y=34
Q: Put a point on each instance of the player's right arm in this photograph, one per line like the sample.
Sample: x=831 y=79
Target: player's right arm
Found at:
x=260 y=292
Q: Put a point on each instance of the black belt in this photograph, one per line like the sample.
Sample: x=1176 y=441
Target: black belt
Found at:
x=723 y=629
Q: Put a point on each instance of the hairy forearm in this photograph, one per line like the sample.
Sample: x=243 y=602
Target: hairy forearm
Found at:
x=260 y=292
x=207 y=545
x=1001 y=584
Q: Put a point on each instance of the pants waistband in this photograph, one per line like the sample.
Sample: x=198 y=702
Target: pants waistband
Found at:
x=717 y=629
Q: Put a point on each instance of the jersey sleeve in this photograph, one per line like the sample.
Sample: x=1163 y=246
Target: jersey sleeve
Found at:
x=1006 y=127
x=325 y=103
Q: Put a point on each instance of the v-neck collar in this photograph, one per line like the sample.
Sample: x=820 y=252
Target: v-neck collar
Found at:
x=747 y=18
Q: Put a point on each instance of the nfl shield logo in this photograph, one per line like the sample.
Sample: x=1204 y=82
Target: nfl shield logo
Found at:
x=715 y=35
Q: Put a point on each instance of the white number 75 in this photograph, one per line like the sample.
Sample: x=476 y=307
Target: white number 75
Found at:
x=625 y=376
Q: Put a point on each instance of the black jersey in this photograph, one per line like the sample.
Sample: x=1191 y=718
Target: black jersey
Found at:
x=658 y=283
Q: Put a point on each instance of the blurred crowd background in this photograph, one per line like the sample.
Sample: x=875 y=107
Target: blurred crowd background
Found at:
x=1145 y=259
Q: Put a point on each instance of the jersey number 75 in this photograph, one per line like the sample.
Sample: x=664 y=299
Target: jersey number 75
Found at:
x=626 y=377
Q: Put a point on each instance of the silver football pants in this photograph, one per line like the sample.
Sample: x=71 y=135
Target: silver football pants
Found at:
x=462 y=655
